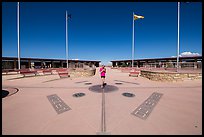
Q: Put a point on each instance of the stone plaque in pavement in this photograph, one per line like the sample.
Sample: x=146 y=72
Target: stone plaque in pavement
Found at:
x=144 y=110
x=58 y=104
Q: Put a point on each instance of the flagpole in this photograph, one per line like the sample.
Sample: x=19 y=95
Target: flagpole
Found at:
x=19 y=65
x=67 y=41
x=178 y=35
x=133 y=41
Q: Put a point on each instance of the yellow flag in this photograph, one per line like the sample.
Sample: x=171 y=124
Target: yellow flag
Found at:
x=138 y=17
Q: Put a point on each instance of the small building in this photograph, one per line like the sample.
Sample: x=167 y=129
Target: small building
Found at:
x=12 y=63
x=194 y=61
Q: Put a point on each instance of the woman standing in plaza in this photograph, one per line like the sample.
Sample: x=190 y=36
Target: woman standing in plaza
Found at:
x=103 y=75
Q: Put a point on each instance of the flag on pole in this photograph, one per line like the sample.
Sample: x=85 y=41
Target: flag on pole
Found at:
x=138 y=17
x=68 y=16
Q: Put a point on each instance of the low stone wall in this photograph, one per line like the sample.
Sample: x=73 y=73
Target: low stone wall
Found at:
x=72 y=72
x=82 y=72
x=170 y=76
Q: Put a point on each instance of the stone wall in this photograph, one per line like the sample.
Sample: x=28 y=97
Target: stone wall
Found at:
x=170 y=76
x=82 y=72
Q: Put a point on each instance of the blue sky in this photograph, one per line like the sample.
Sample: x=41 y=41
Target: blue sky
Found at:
x=101 y=30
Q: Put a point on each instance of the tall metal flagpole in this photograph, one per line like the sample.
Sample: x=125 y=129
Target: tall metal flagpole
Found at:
x=178 y=36
x=19 y=64
x=67 y=40
x=133 y=41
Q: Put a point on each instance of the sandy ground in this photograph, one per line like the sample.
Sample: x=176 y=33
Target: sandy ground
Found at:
x=29 y=112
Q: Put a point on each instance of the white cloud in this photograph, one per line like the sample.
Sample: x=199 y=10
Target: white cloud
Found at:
x=187 y=54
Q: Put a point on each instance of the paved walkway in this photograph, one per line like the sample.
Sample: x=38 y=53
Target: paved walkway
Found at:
x=179 y=110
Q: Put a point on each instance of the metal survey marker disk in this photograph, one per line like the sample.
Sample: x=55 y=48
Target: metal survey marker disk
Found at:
x=144 y=110
x=127 y=94
x=58 y=104
x=78 y=95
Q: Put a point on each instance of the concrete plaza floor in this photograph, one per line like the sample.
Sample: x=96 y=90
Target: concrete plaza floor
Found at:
x=29 y=112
